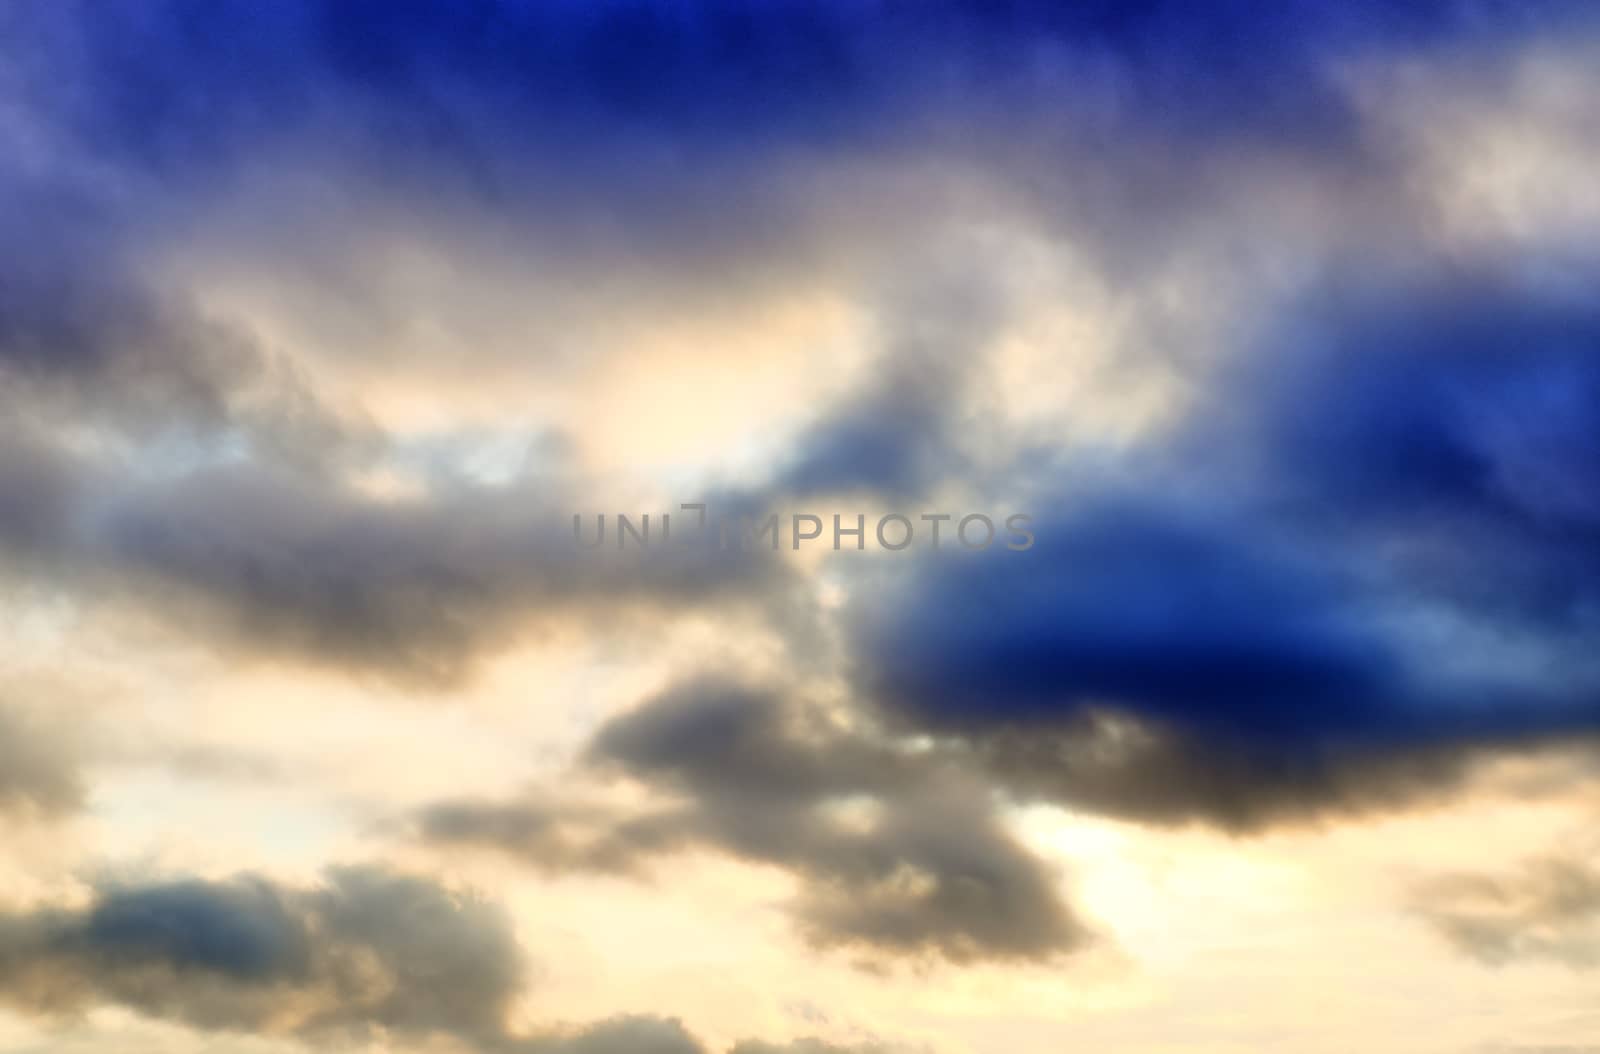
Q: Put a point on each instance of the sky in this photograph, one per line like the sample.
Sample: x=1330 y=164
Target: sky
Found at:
x=1215 y=389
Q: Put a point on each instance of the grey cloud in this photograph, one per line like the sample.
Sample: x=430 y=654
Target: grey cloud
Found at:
x=40 y=489
x=554 y=835
x=369 y=950
x=811 y=1046
x=89 y=344
x=634 y=1034
x=367 y=956
x=112 y=388
x=39 y=766
x=899 y=435
x=897 y=854
x=266 y=558
x=411 y=589
x=1547 y=909
x=893 y=441
x=631 y=1034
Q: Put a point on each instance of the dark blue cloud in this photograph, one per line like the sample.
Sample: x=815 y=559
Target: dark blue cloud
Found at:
x=1372 y=548
x=1463 y=415
x=172 y=83
x=1186 y=622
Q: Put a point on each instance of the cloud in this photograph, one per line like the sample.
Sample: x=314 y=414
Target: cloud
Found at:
x=896 y=855
x=40 y=487
x=808 y=1046
x=264 y=558
x=539 y=117
x=555 y=835
x=414 y=590
x=1353 y=557
x=369 y=950
x=718 y=74
x=899 y=434
x=1364 y=561
x=1139 y=665
x=95 y=347
x=595 y=127
x=620 y=1035
x=367 y=955
x=171 y=460
x=1547 y=909
x=40 y=773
